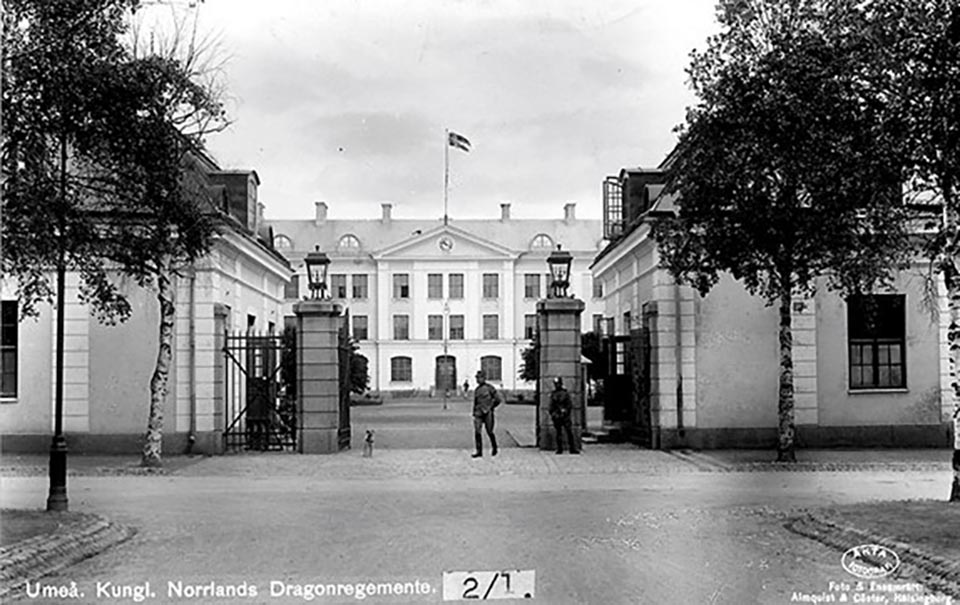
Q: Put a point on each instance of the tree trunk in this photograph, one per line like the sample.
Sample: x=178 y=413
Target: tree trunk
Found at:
x=952 y=280
x=785 y=404
x=166 y=294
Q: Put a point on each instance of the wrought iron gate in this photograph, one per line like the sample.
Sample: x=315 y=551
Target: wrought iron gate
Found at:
x=345 y=353
x=261 y=412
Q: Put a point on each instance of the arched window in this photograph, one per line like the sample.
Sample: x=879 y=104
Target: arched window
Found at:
x=401 y=369
x=282 y=242
x=349 y=241
x=541 y=241
x=492 y=367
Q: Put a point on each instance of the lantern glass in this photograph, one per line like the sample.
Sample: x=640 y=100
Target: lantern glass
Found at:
x=317 y=263
x=559 y=262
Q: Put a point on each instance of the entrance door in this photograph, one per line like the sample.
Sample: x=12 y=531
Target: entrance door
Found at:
x=446 y=374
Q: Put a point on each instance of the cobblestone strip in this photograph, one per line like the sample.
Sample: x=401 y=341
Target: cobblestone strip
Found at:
x=702 y=462
x=938 y=573
x=45 y=554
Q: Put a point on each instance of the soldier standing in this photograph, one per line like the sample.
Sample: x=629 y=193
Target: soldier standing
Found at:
x=485 y=399
x=561 y=409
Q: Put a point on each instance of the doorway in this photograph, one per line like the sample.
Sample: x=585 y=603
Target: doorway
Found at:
x=446 y=374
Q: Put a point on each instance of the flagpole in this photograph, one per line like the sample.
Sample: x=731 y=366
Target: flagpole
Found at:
x=446 y=172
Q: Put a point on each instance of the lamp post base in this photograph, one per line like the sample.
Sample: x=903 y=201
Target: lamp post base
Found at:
x=57 y=499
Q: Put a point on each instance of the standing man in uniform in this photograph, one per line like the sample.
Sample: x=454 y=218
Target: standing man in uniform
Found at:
x=561 y=410
x=485 y=398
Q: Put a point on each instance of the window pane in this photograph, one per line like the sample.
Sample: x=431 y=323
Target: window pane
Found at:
x=491 y=285
x=531 y=285
x=856 y=376
x=401 y=285
x=895 y=354
x=360 y=327
x=883 y=354
x=456 y=327
x=435 y=327
x=401 y=369
x=434 y=285
x=359 y=285
x=491 y=327
x=455 y=289
x=884 y=376
x=855 y=356
x=896 y=377
x=338 y=285
x=866 y=354
x=401 y=327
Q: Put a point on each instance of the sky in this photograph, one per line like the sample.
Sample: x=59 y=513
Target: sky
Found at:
x=348 y=101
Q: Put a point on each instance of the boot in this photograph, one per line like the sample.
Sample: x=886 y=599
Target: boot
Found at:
x=493 y=445
x=479 y=443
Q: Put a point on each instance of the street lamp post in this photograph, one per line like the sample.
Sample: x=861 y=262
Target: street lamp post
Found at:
x=446 y=360
x=559 y=262
x=317 y=264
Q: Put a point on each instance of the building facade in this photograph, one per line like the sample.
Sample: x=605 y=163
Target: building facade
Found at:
x=238 y=286
x=703 y=371
x=430 y=302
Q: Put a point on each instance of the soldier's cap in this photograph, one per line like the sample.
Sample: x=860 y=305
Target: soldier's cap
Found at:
x=480 y=374
x=558 y=380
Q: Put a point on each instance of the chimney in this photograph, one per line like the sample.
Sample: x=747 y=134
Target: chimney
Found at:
x=320 y=212
x=387 y=207
x=505 y=211
x=570 y=212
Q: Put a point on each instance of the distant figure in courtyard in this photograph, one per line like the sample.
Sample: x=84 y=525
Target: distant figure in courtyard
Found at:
x=466 y=389
x=485 y=399
x=561 y=410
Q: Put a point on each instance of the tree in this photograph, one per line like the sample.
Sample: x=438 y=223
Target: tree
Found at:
x=359 y=369
x=917 y=43
x=55 y=55
x=530 y=361
x=97 y=139
x=788 y=169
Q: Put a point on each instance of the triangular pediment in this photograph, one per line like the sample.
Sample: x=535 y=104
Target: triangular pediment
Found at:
x=445 y=241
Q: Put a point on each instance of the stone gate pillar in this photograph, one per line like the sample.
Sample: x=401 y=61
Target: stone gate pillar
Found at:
x=318 y=379
x=558 y=323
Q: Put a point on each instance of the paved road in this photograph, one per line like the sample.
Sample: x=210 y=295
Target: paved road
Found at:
x=657 y=531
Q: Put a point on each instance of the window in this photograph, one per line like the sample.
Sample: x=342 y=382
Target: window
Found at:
x=360 y=285
x=491 y=327
x=8 y=348
x=455 y=285
x=360 y=331
x=434 y=285
x=612 y=208
x=349 y=241
x=876 y=334
x=531 y=285
x=401 y=369
x=401 y=327
x=338 y=285
x=491 y=285
x=541 y=241
x=598 y=323
x=292 y=288
x=282 y=242
x=597 y=288
x=529 y=326
x=435 y=327
x=401 y=285
x=456 y=327
x=492 y=367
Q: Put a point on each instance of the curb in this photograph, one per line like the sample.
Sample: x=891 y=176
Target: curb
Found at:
x=937 y=572
x=42 y=555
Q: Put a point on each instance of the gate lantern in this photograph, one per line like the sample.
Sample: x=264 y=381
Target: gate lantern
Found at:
x=559 y=262
x=317 y=263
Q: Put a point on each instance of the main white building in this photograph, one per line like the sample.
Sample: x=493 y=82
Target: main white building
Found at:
x=431 y=303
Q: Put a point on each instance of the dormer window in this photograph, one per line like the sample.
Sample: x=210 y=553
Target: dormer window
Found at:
x=349 y=241
x=282 y=242
x=541 y=242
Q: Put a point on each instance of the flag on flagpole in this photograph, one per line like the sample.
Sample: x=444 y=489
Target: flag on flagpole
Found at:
x=459 y=141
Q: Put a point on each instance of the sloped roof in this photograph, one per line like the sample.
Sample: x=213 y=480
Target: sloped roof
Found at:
x=376 y=235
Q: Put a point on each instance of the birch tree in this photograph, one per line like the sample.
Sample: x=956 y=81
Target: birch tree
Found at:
x=787 y=168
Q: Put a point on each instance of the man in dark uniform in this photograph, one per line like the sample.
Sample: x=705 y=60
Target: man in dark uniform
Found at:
x=561 y=410
x=485 y=398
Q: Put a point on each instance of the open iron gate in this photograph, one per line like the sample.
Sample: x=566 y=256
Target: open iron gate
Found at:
x=344 y=358
x=260 y=411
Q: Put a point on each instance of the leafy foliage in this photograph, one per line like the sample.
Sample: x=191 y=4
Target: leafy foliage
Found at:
x=788 y=168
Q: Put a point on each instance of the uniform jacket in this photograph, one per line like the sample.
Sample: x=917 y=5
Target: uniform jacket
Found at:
x=485 y=398
x=560 y=403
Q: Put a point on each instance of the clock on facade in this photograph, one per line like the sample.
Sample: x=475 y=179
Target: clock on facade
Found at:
x=445 y=244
